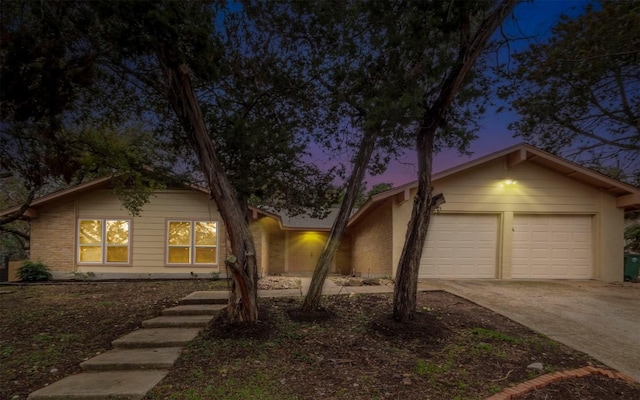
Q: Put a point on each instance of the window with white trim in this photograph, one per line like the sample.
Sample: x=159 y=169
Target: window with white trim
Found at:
x=192 y=242
x=103 y=241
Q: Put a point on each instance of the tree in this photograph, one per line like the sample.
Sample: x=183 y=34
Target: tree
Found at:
x=464 y=18
x=193 y=75
x=223 y=78
x=61 y=119
x=359 y=80
x=578 y=92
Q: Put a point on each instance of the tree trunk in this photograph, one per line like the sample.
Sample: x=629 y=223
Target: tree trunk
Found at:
x=360 y=164
x=243 y=298
x=406 y=285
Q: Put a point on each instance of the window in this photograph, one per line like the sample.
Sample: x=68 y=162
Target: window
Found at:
x=192 y=242
x=103 y=241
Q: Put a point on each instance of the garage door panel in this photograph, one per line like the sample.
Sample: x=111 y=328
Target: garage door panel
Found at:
x=460 y=246
x=552 y=247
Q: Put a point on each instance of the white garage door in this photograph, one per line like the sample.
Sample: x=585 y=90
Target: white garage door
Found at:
x=460 y=246
x=552 y=247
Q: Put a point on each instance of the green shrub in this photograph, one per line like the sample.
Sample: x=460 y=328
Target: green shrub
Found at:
x=34 y=272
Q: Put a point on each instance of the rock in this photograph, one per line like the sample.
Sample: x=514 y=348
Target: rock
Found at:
x=536 y=365
x=371 y=282
x=353 y=282
x=54 y=370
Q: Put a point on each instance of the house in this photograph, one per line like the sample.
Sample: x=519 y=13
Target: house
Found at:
x=519 y=213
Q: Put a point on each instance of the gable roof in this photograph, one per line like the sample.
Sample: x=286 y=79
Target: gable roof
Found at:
x=627 y=196
x=299 y=222
x=62 y=194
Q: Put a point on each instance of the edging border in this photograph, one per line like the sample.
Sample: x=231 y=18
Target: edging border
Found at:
x=543 y=380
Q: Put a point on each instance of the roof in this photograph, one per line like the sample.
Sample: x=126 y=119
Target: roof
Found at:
x=300 y=222
x=627 y=196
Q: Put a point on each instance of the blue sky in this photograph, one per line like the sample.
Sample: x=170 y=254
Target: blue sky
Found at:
x=534 y=19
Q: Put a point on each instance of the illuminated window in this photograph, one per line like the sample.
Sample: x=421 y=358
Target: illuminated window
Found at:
x=103 y=241
x=192 y=242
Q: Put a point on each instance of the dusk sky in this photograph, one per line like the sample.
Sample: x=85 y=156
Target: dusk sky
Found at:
x=534 y=19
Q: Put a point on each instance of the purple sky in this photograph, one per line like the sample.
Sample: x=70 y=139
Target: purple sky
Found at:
x=533 y=19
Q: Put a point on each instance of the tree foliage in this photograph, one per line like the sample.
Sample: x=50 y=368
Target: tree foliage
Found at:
x=578 y=93
x=470 y=25
x=64 y=117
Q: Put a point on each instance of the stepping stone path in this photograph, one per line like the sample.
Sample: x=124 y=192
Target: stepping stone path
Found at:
x=140 y=359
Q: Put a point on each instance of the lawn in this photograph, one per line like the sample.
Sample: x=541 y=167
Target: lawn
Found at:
x=352 y=350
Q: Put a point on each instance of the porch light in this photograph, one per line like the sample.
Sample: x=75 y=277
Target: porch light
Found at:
x=510 y=182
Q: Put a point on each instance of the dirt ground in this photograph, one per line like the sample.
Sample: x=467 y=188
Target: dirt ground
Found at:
x=350 y=350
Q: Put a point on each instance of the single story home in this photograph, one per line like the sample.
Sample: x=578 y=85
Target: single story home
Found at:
x=519 y=213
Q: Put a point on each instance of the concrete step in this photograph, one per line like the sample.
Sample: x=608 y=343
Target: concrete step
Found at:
x=133 y=359
x=194 y=309
x=206 y=297
x=129 y=385
x=178 y=321
x=156 y=337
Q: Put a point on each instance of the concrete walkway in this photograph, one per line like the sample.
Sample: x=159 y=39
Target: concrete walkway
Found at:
x=588 y=316
x=140 y=359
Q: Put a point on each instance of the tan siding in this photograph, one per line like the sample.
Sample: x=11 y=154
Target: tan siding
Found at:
x=372 y=243
x=536 y=190
x=148 y=231
x=53 y=237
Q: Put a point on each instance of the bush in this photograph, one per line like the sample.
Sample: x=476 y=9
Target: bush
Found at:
x=33 y=272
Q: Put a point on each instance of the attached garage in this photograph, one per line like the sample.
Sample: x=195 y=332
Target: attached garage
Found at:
x=520 y=213
x=460 y=246
x=552 y=247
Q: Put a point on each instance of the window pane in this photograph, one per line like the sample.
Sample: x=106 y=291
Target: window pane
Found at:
x=205 y=255
x=180 y=233
x=91 y=254
x=117 y=232
x=205 y=233
x=178 y=255
x=117 y=254
x=90 y=231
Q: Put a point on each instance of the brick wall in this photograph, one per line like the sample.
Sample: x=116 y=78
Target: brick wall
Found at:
x=53 y=237
x=342 y=259
x=276 y=253
x=372 y=243
x=257 y=232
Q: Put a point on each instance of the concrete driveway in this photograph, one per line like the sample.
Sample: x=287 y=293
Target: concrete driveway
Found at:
x=600 y=319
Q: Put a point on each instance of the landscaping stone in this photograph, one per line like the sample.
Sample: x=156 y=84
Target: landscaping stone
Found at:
x=536 y=365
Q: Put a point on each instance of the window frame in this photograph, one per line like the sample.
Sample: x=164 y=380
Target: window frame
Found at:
x=192 y=243
x=103 y=242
